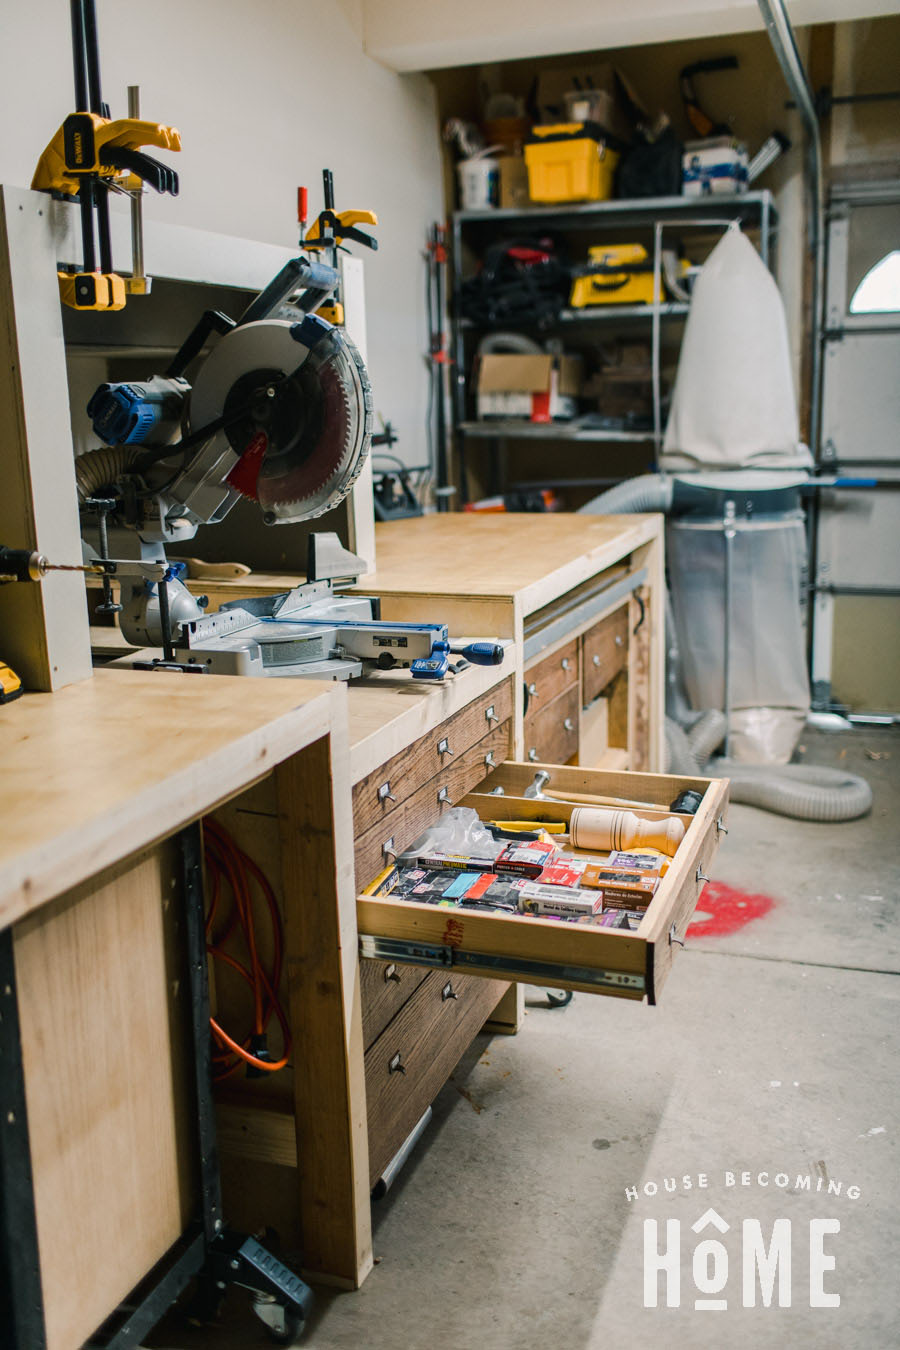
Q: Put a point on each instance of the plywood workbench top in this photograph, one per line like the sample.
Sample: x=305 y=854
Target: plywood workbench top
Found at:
x=534 y=557
x=101 y=769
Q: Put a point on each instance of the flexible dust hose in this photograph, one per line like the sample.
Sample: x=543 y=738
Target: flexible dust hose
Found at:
x=98 y=469
x=804 y=791
x=706 y=735
x=509 y=342
x=650 y=492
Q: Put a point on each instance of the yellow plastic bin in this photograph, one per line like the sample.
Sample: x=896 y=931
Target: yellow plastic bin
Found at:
x=569 y=162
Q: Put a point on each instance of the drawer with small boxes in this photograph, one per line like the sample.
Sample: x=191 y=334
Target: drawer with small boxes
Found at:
x=677 y=820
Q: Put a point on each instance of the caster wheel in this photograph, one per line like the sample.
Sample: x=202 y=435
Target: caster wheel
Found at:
x=559 y=998
x=289 y=1330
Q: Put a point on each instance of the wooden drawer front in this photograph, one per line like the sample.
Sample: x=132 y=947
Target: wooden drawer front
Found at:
x=543 y=951
x=411 y=1060
x=551 y=735
x=547 y=678
x=604 y=652
x=385 y=986
x=406 y=821
x=432 y=754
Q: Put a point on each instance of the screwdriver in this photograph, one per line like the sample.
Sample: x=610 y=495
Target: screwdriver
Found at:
x=20 y=564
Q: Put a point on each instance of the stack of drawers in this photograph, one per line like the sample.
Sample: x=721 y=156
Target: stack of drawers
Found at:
x=417 y=1023
x=560 y=689
x=552 y=703
x=395 y=803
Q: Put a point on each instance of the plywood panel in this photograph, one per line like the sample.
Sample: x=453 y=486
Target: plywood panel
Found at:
x=104 y=1022
x=44 y=625
x=132 y=756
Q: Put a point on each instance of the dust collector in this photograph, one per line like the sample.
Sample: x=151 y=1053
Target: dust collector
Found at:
x=732 y=470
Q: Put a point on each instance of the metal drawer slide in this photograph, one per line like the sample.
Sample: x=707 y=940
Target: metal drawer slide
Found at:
x=537 y=972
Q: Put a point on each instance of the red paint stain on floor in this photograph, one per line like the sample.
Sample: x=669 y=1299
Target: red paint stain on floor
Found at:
x=723 y=910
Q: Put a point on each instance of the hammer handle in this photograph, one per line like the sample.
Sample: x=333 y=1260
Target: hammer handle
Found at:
x=594 y=800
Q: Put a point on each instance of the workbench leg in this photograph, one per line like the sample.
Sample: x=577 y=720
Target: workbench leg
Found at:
x=21 y=1302
x=322 y=959
x=506 y=1019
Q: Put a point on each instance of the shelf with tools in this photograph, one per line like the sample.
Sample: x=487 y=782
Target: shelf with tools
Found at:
x=624 y=354
x=521 y=429
x=615 y=314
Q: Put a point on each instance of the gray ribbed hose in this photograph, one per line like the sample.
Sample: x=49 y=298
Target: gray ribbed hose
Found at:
x=804 y=791
x=650 y=492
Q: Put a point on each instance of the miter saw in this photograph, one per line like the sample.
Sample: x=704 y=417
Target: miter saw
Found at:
x=279 y=411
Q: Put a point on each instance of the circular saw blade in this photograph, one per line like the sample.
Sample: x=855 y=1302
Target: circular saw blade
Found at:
x=297 y=407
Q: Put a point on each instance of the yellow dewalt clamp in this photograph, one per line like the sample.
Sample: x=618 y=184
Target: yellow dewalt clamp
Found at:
x=328 y=231
x=92 y=154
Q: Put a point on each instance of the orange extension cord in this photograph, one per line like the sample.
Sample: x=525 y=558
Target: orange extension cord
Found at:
x=228 y=866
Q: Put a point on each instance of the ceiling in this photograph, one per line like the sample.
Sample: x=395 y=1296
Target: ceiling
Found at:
x=409 y=35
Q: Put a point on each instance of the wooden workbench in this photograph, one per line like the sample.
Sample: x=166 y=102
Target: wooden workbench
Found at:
x=97 y=777
x=545 y=582
x=552 y=583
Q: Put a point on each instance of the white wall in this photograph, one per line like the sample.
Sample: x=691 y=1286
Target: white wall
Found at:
x=425 y=35
x=265 y=95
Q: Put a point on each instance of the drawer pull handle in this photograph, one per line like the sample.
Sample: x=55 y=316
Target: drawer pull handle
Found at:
x=673 y=937
x=565 y=663
x=395 y=1065
x=385 y=794
x=387 y=848
x=444 y=747
x=721 y=827
x=391 y=973
x=444 y=796
x=618 y=639
x=448 y=992
x=701 y=875
x=489 y=761
x=532 y=754
x=532 y=689
x=490 y=715
x=568 y=724
x=596 y=659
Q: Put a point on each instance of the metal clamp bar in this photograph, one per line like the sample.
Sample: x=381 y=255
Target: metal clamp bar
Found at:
x=536 y=972
x=192 y=855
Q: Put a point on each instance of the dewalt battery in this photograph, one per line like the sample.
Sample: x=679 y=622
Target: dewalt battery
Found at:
x=569 y=162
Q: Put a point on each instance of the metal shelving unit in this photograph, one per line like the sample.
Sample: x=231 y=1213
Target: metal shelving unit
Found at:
x=520 y=429
x=476 y=229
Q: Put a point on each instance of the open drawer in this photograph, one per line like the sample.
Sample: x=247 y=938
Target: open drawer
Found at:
x=542 y=950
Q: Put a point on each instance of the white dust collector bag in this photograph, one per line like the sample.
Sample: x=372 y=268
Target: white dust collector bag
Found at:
x=733 y=405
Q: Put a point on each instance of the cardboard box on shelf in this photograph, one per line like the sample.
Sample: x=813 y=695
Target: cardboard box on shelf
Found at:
x=537 y=387
x=513 y=181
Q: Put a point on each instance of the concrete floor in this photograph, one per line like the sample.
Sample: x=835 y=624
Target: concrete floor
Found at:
x=771 y=1053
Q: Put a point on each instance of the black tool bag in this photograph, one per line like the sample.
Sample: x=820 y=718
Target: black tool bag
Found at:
x=651 y=168
x=521 y=281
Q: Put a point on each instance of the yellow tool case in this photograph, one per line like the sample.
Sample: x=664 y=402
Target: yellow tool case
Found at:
x=616 y=274
x=569 y=162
